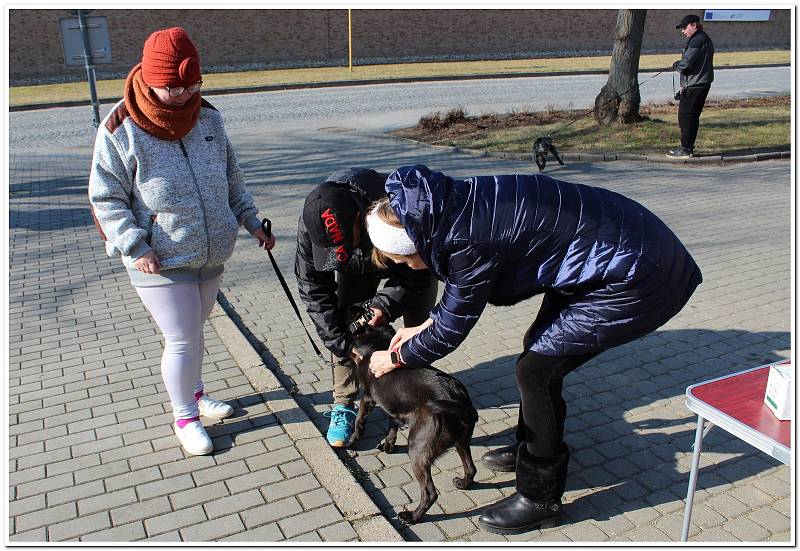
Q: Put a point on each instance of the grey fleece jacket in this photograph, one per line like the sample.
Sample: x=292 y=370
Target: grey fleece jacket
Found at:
x=183 y=199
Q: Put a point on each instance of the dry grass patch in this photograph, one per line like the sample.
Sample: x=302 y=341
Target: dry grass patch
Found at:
x=729 y=126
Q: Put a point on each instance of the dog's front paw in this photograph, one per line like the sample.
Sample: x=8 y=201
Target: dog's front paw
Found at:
x=461 y=483
x=352 y=440
x=386 y=447
x=406 y=517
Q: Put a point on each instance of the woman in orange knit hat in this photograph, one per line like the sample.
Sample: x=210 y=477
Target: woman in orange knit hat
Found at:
x=168 y=196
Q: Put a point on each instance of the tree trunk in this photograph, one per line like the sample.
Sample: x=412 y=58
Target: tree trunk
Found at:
x=619 y=99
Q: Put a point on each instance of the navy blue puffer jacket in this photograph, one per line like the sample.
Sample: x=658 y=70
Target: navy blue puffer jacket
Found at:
x=620 y=271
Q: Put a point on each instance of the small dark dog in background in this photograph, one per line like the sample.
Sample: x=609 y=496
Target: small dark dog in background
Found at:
x=435 y=405
x=541 y=147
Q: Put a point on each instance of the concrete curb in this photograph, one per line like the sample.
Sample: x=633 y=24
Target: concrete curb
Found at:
x=348 y=495
x=609 y=157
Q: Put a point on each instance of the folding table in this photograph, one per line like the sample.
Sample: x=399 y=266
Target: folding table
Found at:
x=735 y=403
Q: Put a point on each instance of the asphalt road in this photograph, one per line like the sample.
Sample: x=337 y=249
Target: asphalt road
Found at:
x=383 y=107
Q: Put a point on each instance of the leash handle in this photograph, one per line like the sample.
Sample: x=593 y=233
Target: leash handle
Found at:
x=266 y=225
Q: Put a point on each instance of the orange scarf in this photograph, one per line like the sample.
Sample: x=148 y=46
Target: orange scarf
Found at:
x=162 y=121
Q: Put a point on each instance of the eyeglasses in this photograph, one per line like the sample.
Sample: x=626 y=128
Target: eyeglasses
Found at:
x=179 y=90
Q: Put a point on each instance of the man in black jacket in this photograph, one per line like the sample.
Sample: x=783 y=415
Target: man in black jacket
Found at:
x=334 y=271
x=696 y=68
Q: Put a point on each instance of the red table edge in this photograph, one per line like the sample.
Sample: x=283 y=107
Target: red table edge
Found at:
x=738 y=425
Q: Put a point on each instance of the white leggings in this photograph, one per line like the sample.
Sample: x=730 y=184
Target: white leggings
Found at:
x=180 y=312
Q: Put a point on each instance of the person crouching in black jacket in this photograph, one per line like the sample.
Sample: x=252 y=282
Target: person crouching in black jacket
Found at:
x=334 y=271
x=696 y=68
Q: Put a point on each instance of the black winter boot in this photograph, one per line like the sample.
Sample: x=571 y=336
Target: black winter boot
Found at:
x=537 y=503
x=502 y=459
x=505 y=459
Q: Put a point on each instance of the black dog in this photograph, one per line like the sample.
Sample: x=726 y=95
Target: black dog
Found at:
x=541 y=147
x=435 y=405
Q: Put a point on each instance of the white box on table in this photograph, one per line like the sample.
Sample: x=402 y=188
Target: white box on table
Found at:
x=779 y=395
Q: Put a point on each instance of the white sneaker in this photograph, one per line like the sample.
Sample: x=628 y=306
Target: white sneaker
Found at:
x=213 y=409
x=194 y=438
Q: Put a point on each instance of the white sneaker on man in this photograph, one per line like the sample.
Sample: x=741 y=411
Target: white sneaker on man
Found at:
x=193 y=437
x=213 y=409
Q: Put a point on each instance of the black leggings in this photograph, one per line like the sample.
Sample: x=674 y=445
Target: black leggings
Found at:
x=540 y=380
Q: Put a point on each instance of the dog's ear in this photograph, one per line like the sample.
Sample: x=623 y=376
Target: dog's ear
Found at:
x=356 y=355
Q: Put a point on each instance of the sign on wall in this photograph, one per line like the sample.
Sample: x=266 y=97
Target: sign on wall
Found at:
x=736 y=15
x=72 y=40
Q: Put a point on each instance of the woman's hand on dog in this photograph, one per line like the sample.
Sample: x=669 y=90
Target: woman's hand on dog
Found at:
x=380 y=363
x=406 y=333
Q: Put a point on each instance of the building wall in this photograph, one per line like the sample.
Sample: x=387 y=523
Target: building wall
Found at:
x=251 y=38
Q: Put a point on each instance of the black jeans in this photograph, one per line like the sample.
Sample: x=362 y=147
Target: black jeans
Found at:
x=540 y=380
x=691 y=105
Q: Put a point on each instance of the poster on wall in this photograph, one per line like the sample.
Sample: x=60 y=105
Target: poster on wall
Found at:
x=736 y=15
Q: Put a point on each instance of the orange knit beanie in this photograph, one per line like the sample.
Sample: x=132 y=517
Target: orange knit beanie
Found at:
x=170 y=59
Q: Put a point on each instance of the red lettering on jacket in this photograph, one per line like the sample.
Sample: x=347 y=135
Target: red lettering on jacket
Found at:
x=336 y=234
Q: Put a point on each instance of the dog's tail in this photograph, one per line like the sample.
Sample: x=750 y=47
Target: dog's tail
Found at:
x=466 y=413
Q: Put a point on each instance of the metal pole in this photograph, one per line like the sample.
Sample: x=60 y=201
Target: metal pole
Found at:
x=698 y=448
x=89 y=64
x=350 y=37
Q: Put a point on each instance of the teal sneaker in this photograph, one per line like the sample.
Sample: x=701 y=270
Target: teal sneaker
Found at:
x=341 y=428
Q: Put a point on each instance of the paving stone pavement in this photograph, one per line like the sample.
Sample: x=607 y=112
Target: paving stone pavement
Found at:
x=92 y=453
x=92 y=457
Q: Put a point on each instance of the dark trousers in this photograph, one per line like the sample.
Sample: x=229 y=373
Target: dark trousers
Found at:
x=540 y=380
x=691 y=105
x=542 y=410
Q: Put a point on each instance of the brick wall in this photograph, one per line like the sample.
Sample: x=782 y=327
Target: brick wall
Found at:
x=250 y=38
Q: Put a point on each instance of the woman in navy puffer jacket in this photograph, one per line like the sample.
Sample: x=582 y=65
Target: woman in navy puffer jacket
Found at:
x=610 y=271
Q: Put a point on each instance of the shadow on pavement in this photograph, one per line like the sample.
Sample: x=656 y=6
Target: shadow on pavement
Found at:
x=75 y=185
x=630 y=441
x=625 y=432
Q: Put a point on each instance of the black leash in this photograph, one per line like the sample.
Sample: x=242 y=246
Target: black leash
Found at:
x=266 y=225
x=639 y=84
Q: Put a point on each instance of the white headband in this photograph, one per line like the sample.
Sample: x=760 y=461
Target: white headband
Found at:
x=389 y=239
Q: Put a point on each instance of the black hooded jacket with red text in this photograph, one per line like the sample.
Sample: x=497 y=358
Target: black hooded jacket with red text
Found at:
x=318 y=288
